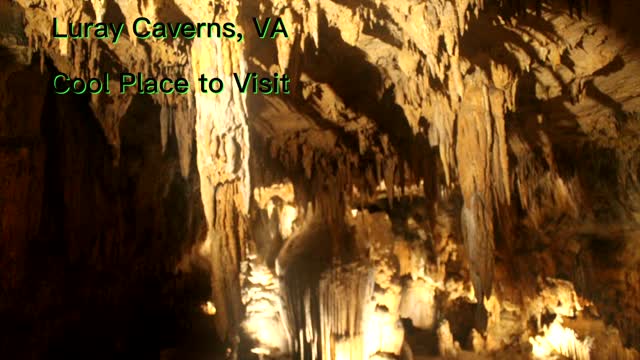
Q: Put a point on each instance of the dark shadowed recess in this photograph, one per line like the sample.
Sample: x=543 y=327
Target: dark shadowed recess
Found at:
x=602 y=170
x=88 y=246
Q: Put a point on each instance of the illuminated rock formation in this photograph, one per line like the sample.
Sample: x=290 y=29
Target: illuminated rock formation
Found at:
x=454 y=178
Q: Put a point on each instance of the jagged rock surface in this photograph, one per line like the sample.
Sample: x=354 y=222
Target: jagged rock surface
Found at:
x=473 y=164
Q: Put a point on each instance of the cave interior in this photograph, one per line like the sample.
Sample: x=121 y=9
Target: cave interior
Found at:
x=446 y=179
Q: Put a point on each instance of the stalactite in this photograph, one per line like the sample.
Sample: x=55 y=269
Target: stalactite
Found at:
x=477 y=232
x=223 y=156
x=345 y=293
x=99 y=7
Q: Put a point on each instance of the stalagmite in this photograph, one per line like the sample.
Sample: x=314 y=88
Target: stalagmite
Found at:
x=344 y=295
x=447 y=347
x=558 y=340
x=261 y=298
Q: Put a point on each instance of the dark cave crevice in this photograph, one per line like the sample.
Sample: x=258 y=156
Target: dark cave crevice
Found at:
x=99 y=276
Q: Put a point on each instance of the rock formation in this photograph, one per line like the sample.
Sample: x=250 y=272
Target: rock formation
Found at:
x=453 y=178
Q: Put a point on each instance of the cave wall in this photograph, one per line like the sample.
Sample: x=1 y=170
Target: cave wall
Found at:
x=90 y=237
x=475 y=160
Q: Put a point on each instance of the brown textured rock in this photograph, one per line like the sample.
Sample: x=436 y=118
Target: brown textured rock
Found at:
x=463 y=169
